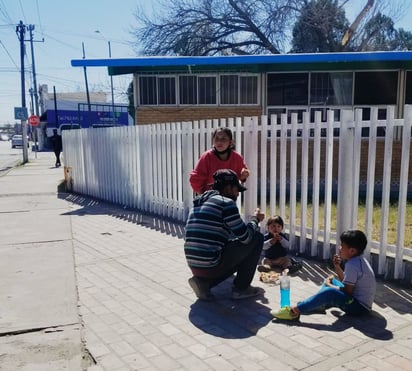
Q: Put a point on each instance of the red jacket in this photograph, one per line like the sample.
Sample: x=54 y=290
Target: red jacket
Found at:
x=202 y=175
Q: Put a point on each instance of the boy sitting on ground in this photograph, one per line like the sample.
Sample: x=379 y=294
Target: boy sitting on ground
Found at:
x=353 y=292
x=275 y=248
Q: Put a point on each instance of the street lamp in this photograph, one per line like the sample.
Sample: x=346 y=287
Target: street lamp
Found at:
x=111 y=77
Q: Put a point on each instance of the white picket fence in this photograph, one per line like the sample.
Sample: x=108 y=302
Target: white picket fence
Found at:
x=147 y=168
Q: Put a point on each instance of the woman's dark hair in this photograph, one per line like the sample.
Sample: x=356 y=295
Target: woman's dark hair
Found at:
x=356 y=239
x=227 y=131
x=229 y=134
x=275 y=219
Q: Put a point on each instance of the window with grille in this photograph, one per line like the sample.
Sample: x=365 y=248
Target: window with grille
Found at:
x=238 y=89
x=331 y=88
x=287 y=89
x=148 y=90
x=248 y=89
x=188 y=89
x=229 y=89
x=376 y=87
x=408 y=90
x=167 y=90
x=207 y=90
x=224 y=89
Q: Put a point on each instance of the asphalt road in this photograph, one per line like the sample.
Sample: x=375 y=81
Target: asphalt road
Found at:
x=9 y=157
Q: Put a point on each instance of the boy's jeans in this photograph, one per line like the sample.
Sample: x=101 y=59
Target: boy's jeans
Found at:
x=328 y=297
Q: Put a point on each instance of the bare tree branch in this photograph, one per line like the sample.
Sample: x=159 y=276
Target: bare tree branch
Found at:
x=210 y=27
x=204 y=27
x=355 y=24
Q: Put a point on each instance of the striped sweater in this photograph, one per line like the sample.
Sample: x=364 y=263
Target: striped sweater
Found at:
x=213 y=221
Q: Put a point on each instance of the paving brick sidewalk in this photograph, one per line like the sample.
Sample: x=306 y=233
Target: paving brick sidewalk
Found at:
x=137 y=310
x=139 y=313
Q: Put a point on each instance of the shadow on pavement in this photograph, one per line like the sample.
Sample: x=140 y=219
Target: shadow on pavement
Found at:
x=227 y=318
x=373 y=325
x=230 y=322
x=90 y=206
x=388 y=294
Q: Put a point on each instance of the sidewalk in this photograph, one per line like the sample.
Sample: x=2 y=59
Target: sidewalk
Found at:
x=39 y=323
x=137 y=311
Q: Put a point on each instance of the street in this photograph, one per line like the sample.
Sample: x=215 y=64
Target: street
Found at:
x=9 y=157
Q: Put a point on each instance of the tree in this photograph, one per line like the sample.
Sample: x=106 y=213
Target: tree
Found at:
x=404 y=40
x=323 y=27
x=380 y=33
x=356 y=23
x=320 y=27
x=210 y=27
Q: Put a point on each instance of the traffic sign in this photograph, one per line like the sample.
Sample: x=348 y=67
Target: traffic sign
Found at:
x=20 y=113
x=34 y=120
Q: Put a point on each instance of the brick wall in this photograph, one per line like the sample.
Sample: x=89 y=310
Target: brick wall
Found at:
x=153 y=115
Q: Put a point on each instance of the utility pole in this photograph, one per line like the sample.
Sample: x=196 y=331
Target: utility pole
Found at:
x=34 y=91
x=111 y=76
x=55 y=108
x=111 y=84
x=21 y=31
x=31 y=101
x=36 y=95
x=87 y=88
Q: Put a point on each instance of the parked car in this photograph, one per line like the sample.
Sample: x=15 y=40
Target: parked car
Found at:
x=17 y=141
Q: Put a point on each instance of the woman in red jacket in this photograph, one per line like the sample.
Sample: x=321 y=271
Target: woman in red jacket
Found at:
x=220 y=156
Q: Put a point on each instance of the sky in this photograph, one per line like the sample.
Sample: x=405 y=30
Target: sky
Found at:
x=64 y=26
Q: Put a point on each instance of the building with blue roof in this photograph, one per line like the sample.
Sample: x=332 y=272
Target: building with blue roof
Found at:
x=183 y=88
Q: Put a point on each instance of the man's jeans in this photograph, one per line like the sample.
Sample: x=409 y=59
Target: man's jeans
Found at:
x=328 y=297
x=236 y=258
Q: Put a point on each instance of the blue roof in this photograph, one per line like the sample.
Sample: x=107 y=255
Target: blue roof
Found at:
x=398 y=59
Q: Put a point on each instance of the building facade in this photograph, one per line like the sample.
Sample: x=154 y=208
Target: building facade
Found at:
x=168 y=89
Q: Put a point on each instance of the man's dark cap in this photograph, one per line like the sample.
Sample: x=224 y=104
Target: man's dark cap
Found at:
x=226 y=176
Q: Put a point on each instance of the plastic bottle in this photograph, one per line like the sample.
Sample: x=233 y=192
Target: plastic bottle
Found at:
x=284 y=289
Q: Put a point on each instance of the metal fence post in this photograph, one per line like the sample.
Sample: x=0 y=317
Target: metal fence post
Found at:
x=346 y=138
x=187 y=166
x=251 y=158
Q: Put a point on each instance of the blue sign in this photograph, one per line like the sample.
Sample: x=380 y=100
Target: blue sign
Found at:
x=85 y=119
x=20 y=113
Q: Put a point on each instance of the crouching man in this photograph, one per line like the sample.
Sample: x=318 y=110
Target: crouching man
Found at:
x=218 y=243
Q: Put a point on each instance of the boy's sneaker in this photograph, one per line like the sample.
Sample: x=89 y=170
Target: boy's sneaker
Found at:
x=295 y=267
x=285 y=313
x=200 y=288
x=247 y=293
x=264 y=268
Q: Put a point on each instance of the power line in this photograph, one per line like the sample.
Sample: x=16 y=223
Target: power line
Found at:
x=22 y=10
x=3 y=11
x=39 y=18
x=11 y=58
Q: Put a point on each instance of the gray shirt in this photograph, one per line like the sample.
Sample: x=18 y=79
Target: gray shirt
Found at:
x=359 y=273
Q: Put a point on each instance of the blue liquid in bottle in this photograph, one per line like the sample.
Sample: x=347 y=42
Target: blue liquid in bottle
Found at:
x=284 y=289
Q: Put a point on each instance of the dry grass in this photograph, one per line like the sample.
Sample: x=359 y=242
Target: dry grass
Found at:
x=376 y=223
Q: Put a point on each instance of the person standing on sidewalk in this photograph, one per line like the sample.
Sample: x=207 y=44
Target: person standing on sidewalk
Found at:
x=222 y=155
x=217 y=241
x=57 y=145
